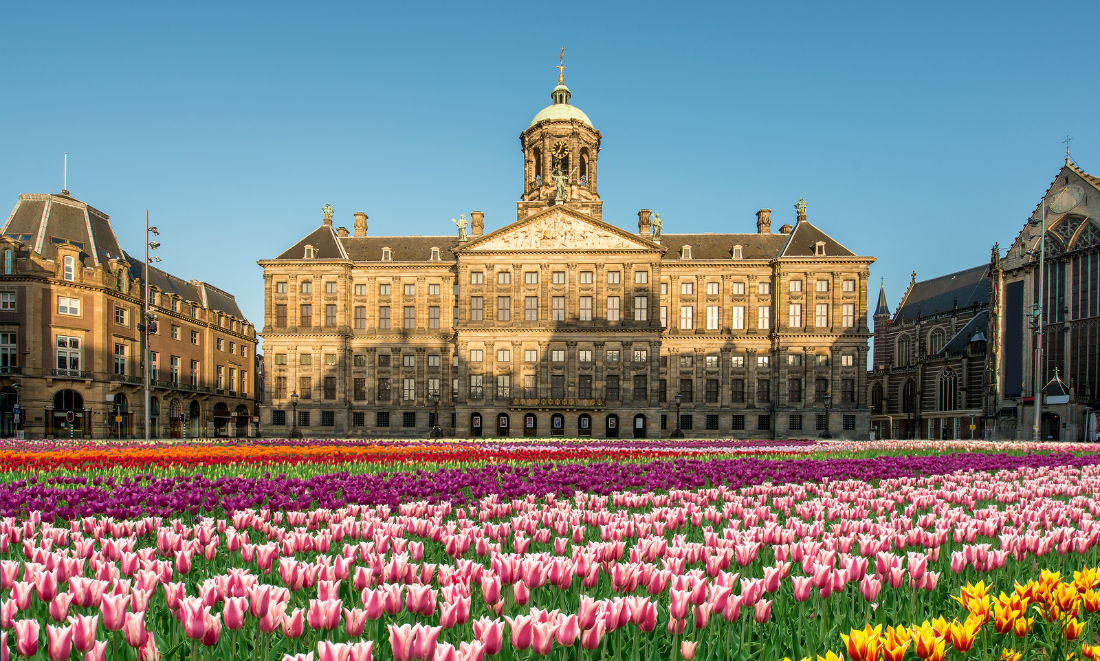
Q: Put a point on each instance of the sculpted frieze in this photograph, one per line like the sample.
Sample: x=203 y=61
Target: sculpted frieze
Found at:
x=558 y=232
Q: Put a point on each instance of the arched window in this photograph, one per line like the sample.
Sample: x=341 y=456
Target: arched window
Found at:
x=949 y=391
x=584 y=166
x=536 y=156
x=908 y=397
x=876 y=398
x=936 y=341
x=68 y=267
x=584 y=425
x=901 y=359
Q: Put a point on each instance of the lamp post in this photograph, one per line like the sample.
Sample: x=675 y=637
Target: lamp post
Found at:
x=147 y=318
x=828 y=405
x=16 y=413
x=436 y=430
x=294 y=414
x=678 y=433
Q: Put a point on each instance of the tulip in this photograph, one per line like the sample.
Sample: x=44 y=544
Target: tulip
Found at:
x=762 y=610
x=98 y=652
x=869 y=587
x=687 y=649
x=59 y=607
x=520 y=593
x=26 y=637
x=84 y=630
x=149 y=651
x=490 y=633
x=192 y=615
x=362 y=651
x=21 y=592
x=328 y=651
x=273 y=618
x=401 y=641
x=568 y=630
x=59 y=642
x=294 y=623
x=134 y=629
x=590 y=638
x=8 y=610
x=522 y=631
x=355 y=620
x=233 y=612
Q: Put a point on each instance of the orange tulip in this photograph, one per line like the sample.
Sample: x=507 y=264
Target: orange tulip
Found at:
x=1010 y=655
x=1090 y=599
x=926 y=642
x=1086 y=579
x=893 y=648
x=829 y=656
x=1005 y=612
x=863 y=645
x=963 y=635
x=1022 y=625
x=1072 y=628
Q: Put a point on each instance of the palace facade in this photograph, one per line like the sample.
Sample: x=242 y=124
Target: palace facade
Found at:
x=561 y=323
x=71 y=341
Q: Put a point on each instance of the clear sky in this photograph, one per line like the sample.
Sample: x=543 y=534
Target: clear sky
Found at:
x=919 y=133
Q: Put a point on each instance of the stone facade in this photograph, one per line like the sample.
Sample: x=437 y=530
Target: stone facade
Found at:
x=561 y=323
x=70 y=346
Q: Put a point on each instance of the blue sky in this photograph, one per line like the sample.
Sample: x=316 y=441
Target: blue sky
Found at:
x=919 y=133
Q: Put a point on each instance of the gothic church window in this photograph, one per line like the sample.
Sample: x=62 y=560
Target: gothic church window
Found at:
x=936 y=341
x=949 y=391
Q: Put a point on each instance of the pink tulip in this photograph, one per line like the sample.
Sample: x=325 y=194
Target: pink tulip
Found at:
x=869 y=587
x=98 y=652
x=448 y=616
x=445 y=652
x=328 y=651
x=59 y=642
x=401 y=641
x=372 y=603
x=233 y=612
x=588 y=613
x=8 y=610
x=678 y=604
x=149 y=651
x=424 y=641
x=134 y=629
x=21 y=592
x=294 y=623
x=590 y=638
x=59 y=607
x=328 y=590
x=324 y=614
x=84 y=629
x=5 y=653
x=520 y=593
x=687 y=650
x=490 y=588
x=676 y=627
x=392 y=602
x=273 y=618
x=490 y=633
x=522 y=631
x=355 y=620
x=762 y=611
x=701 y=615
x=803 y=587
x=569 y=630
x=259 y=599
x=361 y=651
x=26 y=637
x=46 y=586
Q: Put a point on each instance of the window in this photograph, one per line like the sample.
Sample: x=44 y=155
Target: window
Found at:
x=737 y=391
x=9 y=361
x=410 y=316
x=477 y=277
x=477 y=308
x=504 y=355
x=763 y=390
x=557 y=355
x=584 y=356
x=330 y=315
x=641 y=392
x=641 y=277
x=531 y=308
x=848 y=315
x=936 y=341
x=329 y=387
x=687 y=421
x=763 y=422
x=949 y=391
x=794 y=423
x=848 y=286
x=387 y=254
x=433 y=316
x=195 y=335
x=612 y=308
x=68 y=267
x=306 y=316
x=531 y=277
x=280 y=316
x=586 y=277
x=738 y=422
x=358 y=419
x=408 y=419
x=504 y=386
x=796 y=285
x=408 y=360
x=821 y=315
x=584 y=312
x=504 y=308
x=763 y=318
x=382 y=419
x=664 y=316
x=360 y=317
x=641 y=355
x=220 y=344
x=9 y=267
x=504 y=277
x=711 y=391
x=687 y=288
x=383 y=389
x=557 y=308
x=360 y=290
x=712 y=362
x=641 y=308
x=737 y=361
x=848 y=422
x=330 y=287
x=384 y=289
x=408 y=389
x=764 y=288
x=476 y=355
x=821 y=360
x=794 y=390
x=686 y=386
x=530 y=355
x=611 y=388
x=685 y=317
x=477 y=386
x=306 y=287
x=737 y=288
x=174 y=369
x=763 y=360
x=664 y=289
x=410 y=289
x=712 y=421
x=794 y=359
x=384 y=317
x=712 y=317
x=794 y=315
x=612 y=355
x=433 y=386
x=557 y=386
x=613 y=277
x=821 y=388
x=433 y=290
x=686 y=360
x=662 y=391
x=7 y=301
x=434 y=360
x=847 y=360
x=848 y=391
x=68 y=305
x=901 y=358
x=195 y=376
x=303 y=418
x=120 y=316
x=278 y=418
x=821 y=285
x=558 y=277
x=383 y=360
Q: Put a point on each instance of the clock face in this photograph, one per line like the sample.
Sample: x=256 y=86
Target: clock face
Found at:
x=561 y=150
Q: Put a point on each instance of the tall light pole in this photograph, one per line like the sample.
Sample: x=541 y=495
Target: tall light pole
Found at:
x=146 y=316
x=828 y=399
x=1061 y=202
x=678 y=433
x=294 y=414
x=436 y=430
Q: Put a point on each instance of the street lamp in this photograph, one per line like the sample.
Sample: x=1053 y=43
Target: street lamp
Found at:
x=436 y=430
x=678 y=433
x=294 y=414
x=147 y=318
x=828 y=405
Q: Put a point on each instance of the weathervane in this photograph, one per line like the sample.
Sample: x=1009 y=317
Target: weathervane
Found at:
x=1065 y=142
x=561 y=67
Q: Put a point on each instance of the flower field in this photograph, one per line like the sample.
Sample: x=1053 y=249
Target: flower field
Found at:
x=331 y=550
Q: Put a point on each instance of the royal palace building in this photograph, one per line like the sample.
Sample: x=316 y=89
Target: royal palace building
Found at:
x=561 y=323
x=71 y=340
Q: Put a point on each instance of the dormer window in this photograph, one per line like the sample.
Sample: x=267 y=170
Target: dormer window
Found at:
x=737 y=252
x=309 y=252
x=819 y=249
x=387 y=254
x=68 y=268
x=435 y=254
x=685 y=252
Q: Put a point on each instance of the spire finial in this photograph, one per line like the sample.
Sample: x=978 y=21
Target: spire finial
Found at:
x=1066 y=143
x=561 y=67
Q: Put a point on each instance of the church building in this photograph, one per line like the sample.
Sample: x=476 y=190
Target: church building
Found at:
x=563 y=323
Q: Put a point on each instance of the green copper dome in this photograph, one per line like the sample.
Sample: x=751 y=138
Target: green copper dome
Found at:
x=560 y=109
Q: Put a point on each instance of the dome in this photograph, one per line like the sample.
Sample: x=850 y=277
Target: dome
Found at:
x=560 y=110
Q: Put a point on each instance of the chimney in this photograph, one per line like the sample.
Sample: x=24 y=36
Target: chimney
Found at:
x=477 y=223
x=644 y=222
x=786 y=229
x=764 y=221
x=360 y=224
x=342 y=232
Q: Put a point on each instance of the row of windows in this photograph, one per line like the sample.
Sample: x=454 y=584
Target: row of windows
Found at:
x=358 y=418
x=737 y=288
x=332 y=287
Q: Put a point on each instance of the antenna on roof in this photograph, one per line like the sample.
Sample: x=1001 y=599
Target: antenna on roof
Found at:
x=65 y=175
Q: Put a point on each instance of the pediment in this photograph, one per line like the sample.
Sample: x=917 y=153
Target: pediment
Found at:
x=560 y=229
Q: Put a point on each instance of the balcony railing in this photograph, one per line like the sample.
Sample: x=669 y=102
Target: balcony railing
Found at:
x=70 y=374
x=126 y=378
x=6 y=371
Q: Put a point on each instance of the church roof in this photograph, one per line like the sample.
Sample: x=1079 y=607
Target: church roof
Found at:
x=977 y=324
x=883 y=308
x=962 y=289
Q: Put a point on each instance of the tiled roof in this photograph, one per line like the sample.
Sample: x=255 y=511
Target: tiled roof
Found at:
x=325 y=245
x=962 y=289
x=804 y=238
x=959 y=343
x=720 y=246
x=402 y=248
